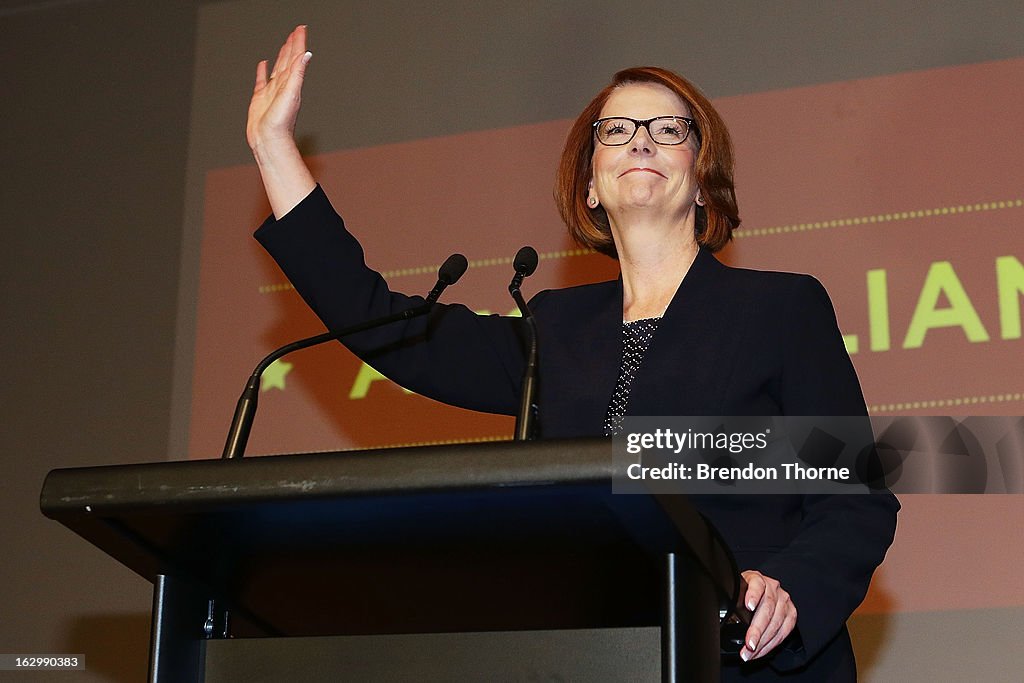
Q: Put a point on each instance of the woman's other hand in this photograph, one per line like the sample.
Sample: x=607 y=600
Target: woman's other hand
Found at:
x=774 y=615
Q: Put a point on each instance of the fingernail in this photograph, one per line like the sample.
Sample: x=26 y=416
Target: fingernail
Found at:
x=306 y=57
x=751 y=644
x=744 y=655
x=751 y=604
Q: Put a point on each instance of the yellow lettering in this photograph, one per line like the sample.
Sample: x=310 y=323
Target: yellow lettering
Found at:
x=942 y=279
x=367 y=375
x=513 y=313
x=852 y=343
x=364 y=378
x=1010 y=276
x=878 y=309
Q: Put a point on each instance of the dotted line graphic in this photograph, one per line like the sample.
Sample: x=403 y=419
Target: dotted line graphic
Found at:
x=420 y=270
x=742 y=233
x=945 y=402
x=269 y=289
x=450 y=442
x=881 y=218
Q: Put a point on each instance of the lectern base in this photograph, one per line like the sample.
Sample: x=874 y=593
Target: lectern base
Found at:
x=630 y=655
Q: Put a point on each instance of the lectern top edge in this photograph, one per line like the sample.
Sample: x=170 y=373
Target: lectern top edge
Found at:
x=345 y=473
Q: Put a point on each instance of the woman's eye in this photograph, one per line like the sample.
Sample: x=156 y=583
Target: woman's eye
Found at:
x=671 y=129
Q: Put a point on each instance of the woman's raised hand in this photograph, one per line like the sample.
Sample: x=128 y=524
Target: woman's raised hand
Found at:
x=276 y=96
x=270 y=129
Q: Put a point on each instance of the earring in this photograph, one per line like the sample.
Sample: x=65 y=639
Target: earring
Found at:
x=699 y=200
x=592 y=202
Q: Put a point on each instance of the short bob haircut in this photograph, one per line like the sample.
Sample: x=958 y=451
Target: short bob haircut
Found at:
x=715 y=221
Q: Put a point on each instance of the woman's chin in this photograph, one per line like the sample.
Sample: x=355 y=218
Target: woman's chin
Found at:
x=643 y=202
x=637 y=197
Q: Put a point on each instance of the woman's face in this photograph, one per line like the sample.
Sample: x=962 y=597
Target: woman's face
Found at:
x=642 y=179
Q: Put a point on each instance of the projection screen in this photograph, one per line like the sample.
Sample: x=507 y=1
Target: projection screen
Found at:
x=882 y=160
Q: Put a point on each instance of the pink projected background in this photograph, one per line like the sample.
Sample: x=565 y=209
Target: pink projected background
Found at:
x=903 y=194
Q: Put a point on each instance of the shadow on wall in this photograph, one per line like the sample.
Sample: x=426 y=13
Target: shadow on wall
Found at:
x=116 y=646
x=870 y=635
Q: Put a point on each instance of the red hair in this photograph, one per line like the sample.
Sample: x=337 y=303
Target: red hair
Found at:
x=715 y=221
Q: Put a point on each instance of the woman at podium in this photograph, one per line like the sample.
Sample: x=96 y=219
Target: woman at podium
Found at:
x=645 y=178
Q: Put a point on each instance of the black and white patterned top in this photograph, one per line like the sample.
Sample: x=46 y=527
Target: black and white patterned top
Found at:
x=636 y=337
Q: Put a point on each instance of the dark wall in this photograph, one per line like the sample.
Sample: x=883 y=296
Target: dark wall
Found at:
x=96 y=100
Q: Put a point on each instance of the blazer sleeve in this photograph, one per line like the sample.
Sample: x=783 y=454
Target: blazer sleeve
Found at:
x=842 y=538
x=451 y=354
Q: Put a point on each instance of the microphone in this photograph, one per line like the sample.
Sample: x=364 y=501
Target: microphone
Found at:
x=245 y=411
x=453 y=268
x=525 y=263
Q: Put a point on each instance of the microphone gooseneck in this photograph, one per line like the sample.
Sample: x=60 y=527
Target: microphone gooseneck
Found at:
x=525 y=263
x=245 y=410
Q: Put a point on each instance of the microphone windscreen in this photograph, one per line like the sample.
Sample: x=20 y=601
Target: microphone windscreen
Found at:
x=526 y=261
x=452 y=269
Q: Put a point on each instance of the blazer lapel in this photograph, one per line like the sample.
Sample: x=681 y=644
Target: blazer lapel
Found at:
x=580 y=347
x=686 y=367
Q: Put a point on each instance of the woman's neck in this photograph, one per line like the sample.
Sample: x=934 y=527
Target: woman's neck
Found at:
x=653 y=261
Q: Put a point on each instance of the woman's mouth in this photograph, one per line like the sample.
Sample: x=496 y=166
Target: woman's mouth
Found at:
x=643 y=169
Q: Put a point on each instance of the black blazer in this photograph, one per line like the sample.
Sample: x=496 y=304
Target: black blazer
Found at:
x=732 y=342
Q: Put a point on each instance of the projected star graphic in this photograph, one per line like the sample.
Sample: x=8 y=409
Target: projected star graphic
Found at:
x=273 y=376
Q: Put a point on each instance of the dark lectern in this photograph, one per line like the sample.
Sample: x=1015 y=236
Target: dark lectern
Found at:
x=500 y=561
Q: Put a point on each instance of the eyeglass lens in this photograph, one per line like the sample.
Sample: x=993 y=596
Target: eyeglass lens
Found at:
x=665 y=130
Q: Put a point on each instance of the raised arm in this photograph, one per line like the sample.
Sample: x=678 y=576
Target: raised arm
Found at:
x=452 y=354
x=270 y=129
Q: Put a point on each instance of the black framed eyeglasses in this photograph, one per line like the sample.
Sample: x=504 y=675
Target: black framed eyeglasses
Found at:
x=664 y=130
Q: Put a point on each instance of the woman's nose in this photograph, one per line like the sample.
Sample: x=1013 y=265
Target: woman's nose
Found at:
x=641 y=142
